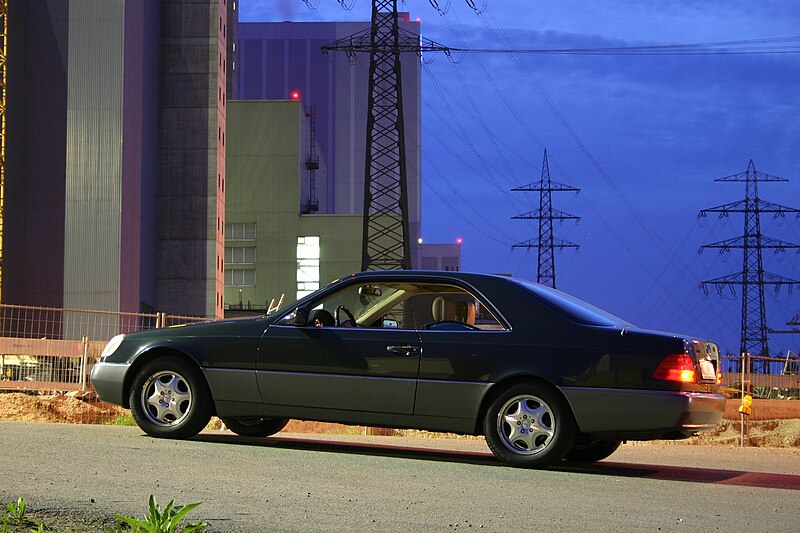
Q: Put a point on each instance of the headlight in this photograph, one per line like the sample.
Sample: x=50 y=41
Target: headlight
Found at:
x=111 y=347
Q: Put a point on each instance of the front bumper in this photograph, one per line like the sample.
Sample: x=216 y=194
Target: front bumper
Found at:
x=108 y=380
x=644 y=415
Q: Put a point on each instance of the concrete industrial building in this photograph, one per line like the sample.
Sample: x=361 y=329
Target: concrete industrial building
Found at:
x=116 y=154
x=119 y=131
x=271 y=247
x=279 y=61
x=278 y=58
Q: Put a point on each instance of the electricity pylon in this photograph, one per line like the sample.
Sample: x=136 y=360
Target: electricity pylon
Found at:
x=386 y=239
x=546 y=243
x=753 y=278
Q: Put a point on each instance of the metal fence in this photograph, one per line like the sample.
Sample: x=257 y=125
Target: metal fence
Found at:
x=51 y=349
x=762 y=377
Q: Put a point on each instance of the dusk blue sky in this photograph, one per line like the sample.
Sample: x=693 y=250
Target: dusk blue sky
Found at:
x=661 y=129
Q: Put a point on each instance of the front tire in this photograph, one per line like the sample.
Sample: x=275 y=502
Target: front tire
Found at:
x=591 y=451
x=255 y=427
x=169 y=398
x=529 y=425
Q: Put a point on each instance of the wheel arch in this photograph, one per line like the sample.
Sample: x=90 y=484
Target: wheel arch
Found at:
x=498 y=388
x=154 y=353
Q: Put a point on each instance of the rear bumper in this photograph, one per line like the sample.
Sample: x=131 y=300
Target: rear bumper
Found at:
x=644 y=415
x=108 y=380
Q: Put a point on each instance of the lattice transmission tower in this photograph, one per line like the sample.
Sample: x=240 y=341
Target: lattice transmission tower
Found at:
x=386 y=239
x=546 y=243
x=753 y=278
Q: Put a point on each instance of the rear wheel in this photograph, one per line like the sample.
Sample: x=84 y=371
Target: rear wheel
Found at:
x=529 y=425
x=170 y=398
x=591 y=451
x=254 y=426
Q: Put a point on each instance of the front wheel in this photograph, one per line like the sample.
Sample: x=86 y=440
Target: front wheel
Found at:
x=529 y=425
x=591 y=451
x=254 y=426
x=170 y=398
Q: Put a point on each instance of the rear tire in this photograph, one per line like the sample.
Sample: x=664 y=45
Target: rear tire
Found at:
x=529 y=425
x=169 y=398
x=591 y=451
x=255 y=426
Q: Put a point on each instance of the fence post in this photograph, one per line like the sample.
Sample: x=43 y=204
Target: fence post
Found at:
x=84 y=361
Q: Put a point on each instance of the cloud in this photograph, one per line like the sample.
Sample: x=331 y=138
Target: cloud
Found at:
x=286 y=9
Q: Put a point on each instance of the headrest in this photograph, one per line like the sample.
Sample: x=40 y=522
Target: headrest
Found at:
x=443 y=309
x=465 y=312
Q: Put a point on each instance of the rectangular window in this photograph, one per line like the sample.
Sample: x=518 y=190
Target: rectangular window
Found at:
x=241 y=232
x=240 y=255
x=238 y=278
x=308 y=256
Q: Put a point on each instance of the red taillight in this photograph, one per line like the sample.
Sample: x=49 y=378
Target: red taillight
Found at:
x=676 y=367
x=719 y=378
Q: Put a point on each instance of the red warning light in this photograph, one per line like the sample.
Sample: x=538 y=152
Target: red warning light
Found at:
x=459 y=240
x=295 y=95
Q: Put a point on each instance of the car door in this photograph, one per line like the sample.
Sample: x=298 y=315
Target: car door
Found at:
x=461 y=345
x=340 y=368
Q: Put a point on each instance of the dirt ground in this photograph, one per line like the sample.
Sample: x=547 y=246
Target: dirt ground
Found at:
x=57 y=408
x=72 y=409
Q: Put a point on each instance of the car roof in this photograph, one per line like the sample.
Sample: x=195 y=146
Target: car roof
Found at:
x=403 y=274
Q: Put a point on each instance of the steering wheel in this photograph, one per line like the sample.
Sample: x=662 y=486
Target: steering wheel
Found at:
x=450 y=325
x=350 y=318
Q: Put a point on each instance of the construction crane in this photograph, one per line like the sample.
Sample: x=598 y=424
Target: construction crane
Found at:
x=3 y=69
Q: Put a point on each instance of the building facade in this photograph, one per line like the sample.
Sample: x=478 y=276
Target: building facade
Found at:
x=115 y=155
x=191 y=156
x=271 y=248
x=276 y=59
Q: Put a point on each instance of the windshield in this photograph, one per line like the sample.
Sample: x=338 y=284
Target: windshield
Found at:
x=574 y=308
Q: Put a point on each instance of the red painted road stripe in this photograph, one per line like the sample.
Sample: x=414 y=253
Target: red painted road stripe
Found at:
x=659 y=472
x=706 y=475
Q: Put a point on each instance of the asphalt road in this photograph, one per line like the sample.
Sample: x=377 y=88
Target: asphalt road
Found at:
x=298 y=483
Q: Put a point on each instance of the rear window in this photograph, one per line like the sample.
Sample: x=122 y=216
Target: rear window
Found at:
x=572 y=307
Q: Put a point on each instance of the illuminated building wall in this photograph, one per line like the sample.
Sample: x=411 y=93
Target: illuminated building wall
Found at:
x=270 y=248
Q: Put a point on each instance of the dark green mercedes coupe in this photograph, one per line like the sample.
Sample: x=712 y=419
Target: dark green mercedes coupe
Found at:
x=544 y=376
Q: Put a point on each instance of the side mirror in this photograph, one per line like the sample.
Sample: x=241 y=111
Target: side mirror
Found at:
x=300 y=316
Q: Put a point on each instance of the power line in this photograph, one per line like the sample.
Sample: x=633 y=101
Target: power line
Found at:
x=769 y=45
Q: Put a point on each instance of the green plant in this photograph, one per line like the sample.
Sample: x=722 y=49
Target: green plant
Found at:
x=121 y=420
x=160 y=521
x=15 y=515
x=16 y=511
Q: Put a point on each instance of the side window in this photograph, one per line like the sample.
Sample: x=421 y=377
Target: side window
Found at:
x=440 y=307
x=406 y=305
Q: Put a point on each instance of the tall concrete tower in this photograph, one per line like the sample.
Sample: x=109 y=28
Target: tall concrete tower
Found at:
x=115 y=154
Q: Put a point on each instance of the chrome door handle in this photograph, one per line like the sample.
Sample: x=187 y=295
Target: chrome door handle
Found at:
x=403 y=350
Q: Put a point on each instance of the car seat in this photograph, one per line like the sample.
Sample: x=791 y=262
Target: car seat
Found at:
x=443 y=309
